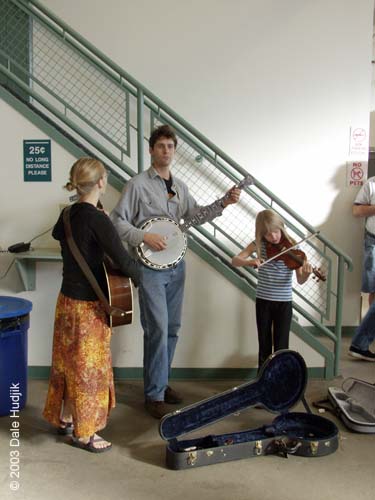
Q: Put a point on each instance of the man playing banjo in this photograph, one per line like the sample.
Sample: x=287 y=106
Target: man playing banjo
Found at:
x=150 y=199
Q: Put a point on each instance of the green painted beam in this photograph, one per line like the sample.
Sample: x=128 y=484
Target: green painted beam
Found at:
x=136 y=373
x=52 y=131
x=146 y=99
x=250 y=291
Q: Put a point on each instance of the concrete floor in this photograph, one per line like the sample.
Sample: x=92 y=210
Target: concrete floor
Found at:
x=135 y=468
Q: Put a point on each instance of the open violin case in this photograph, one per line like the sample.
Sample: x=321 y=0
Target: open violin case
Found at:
x=280 y=386
x=354 y=404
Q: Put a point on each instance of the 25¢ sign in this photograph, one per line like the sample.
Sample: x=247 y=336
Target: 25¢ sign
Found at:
x=37 y=161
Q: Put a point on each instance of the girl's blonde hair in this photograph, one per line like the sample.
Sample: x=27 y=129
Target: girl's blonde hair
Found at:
x=84 y=175
x=268 y=221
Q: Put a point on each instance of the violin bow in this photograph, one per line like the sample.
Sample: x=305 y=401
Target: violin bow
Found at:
x=290 y=248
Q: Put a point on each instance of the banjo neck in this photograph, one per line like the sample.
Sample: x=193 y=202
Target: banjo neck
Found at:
x=204 y=214
x=174 y=233
x=211 y=211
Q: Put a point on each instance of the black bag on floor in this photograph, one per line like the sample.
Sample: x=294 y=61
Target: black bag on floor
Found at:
x=280 y=385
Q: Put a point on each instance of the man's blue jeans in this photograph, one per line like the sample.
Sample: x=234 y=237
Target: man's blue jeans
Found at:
x=160 y=298
x=368 y=267
x=365 y=333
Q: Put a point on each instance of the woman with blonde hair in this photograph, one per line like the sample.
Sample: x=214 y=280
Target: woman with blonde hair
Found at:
x=81 y=390
x=274 y=289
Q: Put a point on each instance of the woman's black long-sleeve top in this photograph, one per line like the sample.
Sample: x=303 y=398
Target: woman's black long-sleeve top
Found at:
x=95 y=236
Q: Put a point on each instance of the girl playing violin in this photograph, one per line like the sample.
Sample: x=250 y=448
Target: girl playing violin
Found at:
x=274 y=290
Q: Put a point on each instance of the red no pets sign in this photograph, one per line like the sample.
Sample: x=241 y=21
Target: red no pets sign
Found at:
x=356 y=173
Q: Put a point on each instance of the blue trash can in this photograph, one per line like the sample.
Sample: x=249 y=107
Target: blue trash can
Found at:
x=14 y=323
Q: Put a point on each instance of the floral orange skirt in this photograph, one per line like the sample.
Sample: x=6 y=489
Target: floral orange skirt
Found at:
x=81 y=366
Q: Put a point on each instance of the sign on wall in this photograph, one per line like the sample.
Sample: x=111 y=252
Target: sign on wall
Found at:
x=356 y=173
x=359 y=142
x=37 y=161
x=357 y=164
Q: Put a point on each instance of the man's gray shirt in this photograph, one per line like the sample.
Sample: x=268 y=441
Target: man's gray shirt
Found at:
x=366 y=196
x=146 y=196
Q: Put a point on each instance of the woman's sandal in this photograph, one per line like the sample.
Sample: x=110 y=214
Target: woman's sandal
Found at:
x=90 y=445
x=65 y=428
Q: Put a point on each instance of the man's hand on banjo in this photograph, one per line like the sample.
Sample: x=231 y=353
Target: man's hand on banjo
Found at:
x=155 y=241
x=232 y=196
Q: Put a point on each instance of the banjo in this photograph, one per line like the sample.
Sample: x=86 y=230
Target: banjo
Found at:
x=175 y=233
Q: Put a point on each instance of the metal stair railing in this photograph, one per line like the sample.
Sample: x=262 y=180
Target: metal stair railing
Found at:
x=95 y=102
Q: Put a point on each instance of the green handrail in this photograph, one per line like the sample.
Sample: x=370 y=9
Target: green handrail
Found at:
x=146 y=100
x=143 y=92
x=63 y=118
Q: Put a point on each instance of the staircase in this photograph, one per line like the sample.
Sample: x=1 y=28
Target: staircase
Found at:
x=93 y=107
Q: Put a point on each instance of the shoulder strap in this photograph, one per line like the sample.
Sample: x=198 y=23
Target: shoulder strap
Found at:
x=85 y=268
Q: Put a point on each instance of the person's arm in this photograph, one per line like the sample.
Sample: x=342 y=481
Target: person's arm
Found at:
x=208 y=212
x=123 y=214
x=363 y=210
x=362 y=206
x=110 y=242
x=242 y=259
x=303 y=272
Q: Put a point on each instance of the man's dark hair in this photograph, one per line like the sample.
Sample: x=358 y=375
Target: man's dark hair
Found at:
x=163 y=131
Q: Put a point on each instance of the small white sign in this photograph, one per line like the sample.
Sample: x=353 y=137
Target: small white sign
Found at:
x=356 y=173
x=359 y=142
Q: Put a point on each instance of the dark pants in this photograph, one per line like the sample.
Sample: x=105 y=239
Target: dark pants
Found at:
x=273 y=323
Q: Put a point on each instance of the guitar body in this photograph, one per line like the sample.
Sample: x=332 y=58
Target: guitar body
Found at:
x=120 y=294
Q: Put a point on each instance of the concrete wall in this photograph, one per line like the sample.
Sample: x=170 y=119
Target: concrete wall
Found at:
x=277 y=85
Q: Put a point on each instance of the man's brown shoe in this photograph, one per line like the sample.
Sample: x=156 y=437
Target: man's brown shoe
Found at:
x=172 y=397
x=156 y=409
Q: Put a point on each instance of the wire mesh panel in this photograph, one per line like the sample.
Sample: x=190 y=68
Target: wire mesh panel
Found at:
x=235 y=228
x=60 y=72
x=83 y=88
x=105 y=111
x=14 y=43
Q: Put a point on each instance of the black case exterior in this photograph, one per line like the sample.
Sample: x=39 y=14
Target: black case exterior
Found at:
x=279 y=386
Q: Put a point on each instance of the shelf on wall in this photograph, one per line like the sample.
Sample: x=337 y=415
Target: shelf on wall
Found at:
x=26 y=264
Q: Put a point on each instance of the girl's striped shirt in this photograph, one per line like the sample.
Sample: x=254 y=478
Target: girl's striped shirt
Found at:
x=274 y=280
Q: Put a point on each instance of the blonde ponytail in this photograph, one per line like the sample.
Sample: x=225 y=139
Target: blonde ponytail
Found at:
x=84 y=175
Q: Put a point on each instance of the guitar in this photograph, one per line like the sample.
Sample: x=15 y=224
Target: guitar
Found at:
x=174 y=233
x=119 y=295
x=117 y=299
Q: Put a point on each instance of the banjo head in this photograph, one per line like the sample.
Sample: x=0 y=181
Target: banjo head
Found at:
x=176 y=244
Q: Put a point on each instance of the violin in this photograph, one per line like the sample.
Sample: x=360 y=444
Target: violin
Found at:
x=293 y=258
